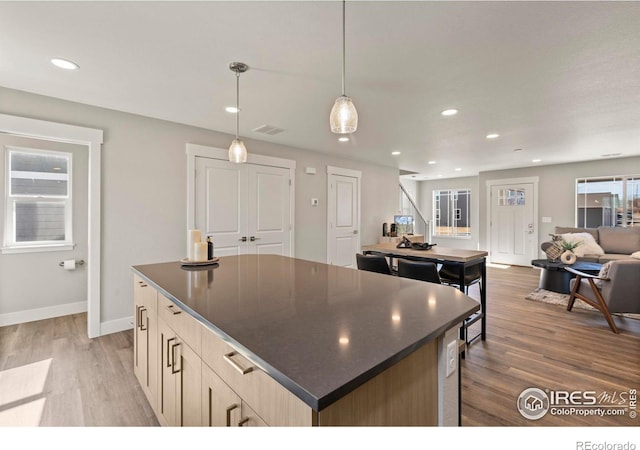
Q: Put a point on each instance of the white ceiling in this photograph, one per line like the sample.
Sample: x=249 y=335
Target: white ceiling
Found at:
x=560 y=80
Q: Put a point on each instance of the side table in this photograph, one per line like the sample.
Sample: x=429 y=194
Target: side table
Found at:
x=553 y=277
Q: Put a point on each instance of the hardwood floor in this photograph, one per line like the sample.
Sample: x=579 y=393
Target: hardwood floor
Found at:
x=51 y=374
x=534 y=344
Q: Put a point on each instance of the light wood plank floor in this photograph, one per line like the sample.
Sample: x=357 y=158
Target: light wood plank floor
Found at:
x=534 y=344
x=51 y=374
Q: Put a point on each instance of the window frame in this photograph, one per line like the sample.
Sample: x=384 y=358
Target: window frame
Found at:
x=453 y=211
x=10 y=245
x=621 y=182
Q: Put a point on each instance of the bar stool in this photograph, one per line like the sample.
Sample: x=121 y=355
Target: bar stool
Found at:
x=373 y=263
x=418 y=270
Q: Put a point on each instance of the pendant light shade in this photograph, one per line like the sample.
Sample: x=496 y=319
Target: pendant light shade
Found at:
x=344 y=117
x=237 y=150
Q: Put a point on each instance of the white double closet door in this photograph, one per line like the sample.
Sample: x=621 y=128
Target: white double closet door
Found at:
x=245 y=208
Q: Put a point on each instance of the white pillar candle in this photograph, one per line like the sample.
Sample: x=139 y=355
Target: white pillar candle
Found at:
x=193 y=236
x=200 y=251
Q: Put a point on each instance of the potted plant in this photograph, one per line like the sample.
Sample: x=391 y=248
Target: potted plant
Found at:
x=569 y=257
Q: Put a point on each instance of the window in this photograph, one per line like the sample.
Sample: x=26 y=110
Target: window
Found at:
x=37 y=200
x=608 y=201
x=452 y=212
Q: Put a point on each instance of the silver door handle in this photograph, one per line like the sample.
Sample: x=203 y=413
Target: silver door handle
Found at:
x=243 y=239
x=355 y=231
x=253 y=238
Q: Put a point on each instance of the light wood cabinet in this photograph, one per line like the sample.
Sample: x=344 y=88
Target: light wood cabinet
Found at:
x=193 y=377
x=222 y=407
x=268 y=398
x=180 y=369
x=145 y=337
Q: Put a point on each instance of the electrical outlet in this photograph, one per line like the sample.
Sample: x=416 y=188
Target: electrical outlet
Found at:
x=452 y=357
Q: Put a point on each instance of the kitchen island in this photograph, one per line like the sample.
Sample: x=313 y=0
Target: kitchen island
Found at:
x=273 y=340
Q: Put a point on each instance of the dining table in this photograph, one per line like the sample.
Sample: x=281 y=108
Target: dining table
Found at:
x=462 y=259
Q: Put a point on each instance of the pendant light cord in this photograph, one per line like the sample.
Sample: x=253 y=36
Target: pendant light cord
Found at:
x=343 y=44
x=237 y=102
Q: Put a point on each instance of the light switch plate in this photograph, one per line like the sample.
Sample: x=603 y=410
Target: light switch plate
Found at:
x=546 y=220
x=314 y=202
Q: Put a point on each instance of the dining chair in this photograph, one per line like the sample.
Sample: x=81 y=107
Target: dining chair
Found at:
x=373 y=263
x=450 y=275
x=418 y=270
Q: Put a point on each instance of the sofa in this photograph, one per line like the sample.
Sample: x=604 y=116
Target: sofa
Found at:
x=612 y=243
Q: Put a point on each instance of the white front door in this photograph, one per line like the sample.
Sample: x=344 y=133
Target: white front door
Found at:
x=512 y=227
x=245 y=208
x=343 y=216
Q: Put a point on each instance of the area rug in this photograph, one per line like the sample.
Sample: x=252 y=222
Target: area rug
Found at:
x=555 y=298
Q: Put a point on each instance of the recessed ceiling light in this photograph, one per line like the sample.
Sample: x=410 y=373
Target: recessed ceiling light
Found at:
x=536 y=160
x=343 y=139
x=395 y=153
x=449 y=112
x=458 y=169
x=231 y=109
x=493 y=135
x=431 y=162
x=64 y=64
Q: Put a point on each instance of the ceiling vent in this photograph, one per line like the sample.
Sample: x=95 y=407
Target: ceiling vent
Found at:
x=268 y=129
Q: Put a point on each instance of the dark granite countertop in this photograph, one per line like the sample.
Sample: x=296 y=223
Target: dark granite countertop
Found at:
x=319 y=330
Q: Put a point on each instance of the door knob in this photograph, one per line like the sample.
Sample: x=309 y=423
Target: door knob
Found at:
x=243 y=239
x=253 y=238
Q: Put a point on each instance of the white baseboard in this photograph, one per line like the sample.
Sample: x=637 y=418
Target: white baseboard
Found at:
x=48 y=312
x=114 y=326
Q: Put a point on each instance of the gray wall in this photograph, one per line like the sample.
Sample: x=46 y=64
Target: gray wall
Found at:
x=35 y=280
x=144 y=189
x=426 y=189
x=557 y=189
x=556 y=194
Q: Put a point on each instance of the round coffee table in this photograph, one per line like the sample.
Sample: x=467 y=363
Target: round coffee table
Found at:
x=553 y=277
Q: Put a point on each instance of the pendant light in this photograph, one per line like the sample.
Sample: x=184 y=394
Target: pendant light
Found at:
x=237 y=150
x=344 y=117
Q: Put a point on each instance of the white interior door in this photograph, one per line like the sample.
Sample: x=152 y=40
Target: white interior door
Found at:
x=221 y=197
x=269 y=221
x=343 y=217
x=512 y=227
x=245 y=208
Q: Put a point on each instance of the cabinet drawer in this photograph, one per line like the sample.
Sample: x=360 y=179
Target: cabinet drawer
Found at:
x=268 y=398
x=144 y=294
x=183 y=324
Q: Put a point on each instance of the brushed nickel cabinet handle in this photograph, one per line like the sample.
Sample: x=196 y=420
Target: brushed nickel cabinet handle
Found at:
x=142 y=327
x=173 y=359
x=173 y=311
x=168 y=350
x=235 y=365
x=138 y=316
x=229 y=409
x=243 y=421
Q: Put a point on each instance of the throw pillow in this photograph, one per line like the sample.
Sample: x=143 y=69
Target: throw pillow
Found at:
x=636 y=255
x=604 y=270
x=588 y=245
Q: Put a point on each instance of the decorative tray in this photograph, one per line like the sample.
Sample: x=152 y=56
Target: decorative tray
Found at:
x=188 y=263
